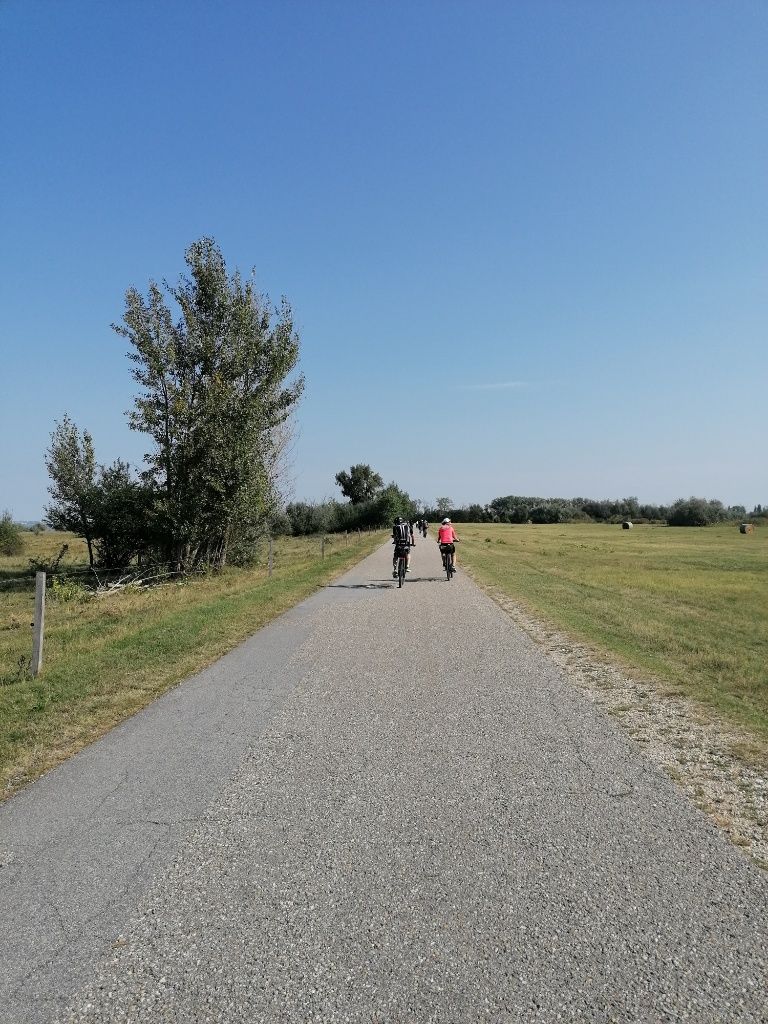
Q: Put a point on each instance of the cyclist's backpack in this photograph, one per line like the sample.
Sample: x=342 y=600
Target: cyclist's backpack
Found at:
x=401 y=534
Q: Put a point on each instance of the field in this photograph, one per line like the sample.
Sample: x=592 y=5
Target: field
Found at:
x=107 y=657
x=688 y=606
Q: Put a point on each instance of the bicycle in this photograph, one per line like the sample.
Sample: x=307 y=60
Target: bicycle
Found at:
x=401 y=553
x=446 y=550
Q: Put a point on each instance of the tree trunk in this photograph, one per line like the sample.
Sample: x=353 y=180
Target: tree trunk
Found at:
x=223 y=549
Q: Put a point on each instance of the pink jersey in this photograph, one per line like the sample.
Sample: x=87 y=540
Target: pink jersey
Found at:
x=446 y=535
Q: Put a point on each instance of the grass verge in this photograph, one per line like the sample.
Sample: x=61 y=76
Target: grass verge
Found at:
x=108 y=657
x=687 y=606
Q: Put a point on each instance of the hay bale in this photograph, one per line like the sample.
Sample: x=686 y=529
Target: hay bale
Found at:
x=626 y=525
x=746 y=528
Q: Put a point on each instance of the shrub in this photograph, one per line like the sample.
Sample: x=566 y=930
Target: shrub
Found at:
x=280 y=525
x=306 y=518
x=66 y=590
x=48 y=565
x=11 y=542
x=548 y=514
x=696 y=512
x=124 y=517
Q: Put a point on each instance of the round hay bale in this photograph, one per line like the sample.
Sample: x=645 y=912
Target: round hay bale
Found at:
x=746 y=528
x=626 y=525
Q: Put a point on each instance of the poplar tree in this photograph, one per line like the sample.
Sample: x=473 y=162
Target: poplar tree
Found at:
x=217 y=386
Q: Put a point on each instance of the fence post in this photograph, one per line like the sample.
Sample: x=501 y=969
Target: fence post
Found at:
x=270 y=560
x=39 y=624
x=322 y=546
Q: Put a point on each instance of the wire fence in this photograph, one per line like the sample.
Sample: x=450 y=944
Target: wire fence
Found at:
x=99 y=573
x=27 y=591
x=96 y=573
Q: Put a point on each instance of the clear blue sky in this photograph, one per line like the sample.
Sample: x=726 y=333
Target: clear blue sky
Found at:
x=525 y=242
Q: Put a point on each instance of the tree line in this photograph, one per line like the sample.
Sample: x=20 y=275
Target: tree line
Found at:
x=371 y=504
x=513 y=508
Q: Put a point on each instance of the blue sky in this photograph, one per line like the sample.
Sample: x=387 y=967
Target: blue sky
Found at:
x=525 y=243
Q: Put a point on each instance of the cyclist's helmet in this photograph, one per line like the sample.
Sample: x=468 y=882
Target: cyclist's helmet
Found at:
x=446 y=521
x=399 y=520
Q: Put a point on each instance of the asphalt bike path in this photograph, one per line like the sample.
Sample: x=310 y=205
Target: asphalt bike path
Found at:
x=386 y=806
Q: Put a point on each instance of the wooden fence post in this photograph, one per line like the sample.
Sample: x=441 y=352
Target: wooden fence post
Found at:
x=270 y=560
x=39 y=624
x=322 y=546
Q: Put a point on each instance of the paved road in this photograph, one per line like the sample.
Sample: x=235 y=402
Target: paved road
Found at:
x=384 y=807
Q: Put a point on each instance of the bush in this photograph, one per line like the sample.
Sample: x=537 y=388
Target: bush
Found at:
x=549 y=514
x=123 y=516
x=696 y=512
x=334 y=517
x=306 y=518
x=66 y=590
x=11 y=541
x=48 y=564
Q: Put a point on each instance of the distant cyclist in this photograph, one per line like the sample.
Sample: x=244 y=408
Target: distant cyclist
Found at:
x=446 y=538
x=402 y=538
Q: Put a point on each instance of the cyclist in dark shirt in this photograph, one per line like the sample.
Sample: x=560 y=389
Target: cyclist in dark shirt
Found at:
x=402 y=537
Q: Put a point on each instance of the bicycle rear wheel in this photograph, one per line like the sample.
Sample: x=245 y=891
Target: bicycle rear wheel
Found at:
x=447 y=564
x=400 y=571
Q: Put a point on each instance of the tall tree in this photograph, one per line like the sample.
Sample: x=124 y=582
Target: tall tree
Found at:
x=71 y=464
x=361 y=483
x=215 y=393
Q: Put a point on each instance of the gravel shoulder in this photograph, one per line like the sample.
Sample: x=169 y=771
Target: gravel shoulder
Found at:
x=707 y=757
x=410 y=814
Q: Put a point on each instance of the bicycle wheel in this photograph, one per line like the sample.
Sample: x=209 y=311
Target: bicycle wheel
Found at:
x=400 y=572
x=447 y=565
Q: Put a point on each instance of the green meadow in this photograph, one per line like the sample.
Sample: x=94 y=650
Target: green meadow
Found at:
x=686 y=605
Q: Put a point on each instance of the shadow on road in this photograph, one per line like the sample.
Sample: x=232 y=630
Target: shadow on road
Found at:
x=383 y=584
x=372 y=585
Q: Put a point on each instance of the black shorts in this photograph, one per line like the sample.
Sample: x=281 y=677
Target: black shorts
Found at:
x=401 y=550
x=448 y=548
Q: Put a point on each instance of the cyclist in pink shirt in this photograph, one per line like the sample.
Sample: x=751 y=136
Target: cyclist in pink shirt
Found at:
x=446 y=538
